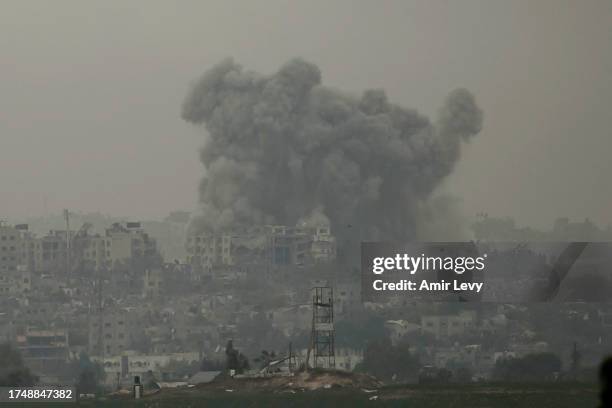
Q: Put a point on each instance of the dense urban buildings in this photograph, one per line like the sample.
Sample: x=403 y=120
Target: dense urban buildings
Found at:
x=108 y=293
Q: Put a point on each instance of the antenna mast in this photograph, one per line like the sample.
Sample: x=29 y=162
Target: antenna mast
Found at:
x=323 y=335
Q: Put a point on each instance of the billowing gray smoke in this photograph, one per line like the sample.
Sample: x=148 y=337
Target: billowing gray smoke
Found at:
x=284 y=148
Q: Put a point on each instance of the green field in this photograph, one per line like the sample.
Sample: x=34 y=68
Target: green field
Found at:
x=557 y=395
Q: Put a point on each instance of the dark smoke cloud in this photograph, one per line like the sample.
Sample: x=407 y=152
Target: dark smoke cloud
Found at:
x=283 y=148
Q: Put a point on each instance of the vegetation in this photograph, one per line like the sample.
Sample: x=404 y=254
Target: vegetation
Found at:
x=235 y=360
x=90 y=375
x=265 y=358
x=13 y=372
x=532 y=367
x=387 y=362
x=260 y=333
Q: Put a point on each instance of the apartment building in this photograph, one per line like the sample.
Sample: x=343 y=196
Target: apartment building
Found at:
x=11 y=250
x=112 y=332
x=14 y=274
x=128 y=241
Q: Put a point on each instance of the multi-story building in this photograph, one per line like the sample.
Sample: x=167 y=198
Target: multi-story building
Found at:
x=28 y=247
x=274 y=245
x=95 y=251
x=206 y=250
x=112 y=332
x=128 y=241
x=14 y=273
x=38 y=313
x=289 y=246
x=323 y=244
x=14 y=283
x=119 y=244
x=153 y=284
x=229 y=248
x=50 y=252
x=35 y=254
x=10 y=248
x=347 y=297
x=44 y=351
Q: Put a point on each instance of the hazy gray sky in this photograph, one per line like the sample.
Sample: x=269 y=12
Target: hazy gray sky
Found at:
x=90 y=93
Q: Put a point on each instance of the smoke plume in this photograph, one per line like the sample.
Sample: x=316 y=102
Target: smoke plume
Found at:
x=283 y=148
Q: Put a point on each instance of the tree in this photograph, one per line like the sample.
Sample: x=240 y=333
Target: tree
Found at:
x=463 y=374
x=89 y=375
x=388 y=362
x=265 y=358
x=235 y=360
x=532 y=367
x=259 y=332
x=13 y=372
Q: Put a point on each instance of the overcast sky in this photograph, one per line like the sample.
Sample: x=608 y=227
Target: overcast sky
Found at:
x=90 y=93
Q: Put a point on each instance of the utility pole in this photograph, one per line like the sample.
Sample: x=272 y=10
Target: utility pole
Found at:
x=575 y=361
x=100 y=307
x=67 y=218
